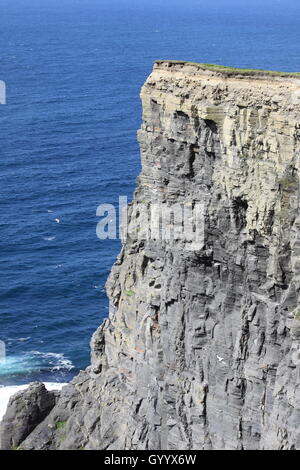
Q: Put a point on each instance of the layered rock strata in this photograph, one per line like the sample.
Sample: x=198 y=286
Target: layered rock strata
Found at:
x=201 y=347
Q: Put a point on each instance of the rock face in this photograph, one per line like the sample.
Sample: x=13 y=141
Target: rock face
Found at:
x=201 y=347
x=25 y=411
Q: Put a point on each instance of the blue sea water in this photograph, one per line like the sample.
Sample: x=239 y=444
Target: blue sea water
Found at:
x=73 y=71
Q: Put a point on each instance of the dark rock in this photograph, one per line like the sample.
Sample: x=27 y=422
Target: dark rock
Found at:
x=26 y=409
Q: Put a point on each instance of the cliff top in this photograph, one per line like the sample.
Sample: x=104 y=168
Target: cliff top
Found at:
x=228 y=71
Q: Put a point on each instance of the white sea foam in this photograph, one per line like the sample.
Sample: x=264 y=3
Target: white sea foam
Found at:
x=56 y=361
x=35 y=361
x=21 y=340
x=7 y=392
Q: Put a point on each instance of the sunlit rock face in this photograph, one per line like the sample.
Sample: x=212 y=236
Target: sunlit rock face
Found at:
x=201 y=347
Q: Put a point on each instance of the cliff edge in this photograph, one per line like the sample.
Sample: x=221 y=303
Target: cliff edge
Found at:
x=201 y=349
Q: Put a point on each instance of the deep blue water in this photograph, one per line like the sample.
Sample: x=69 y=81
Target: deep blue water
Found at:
x=73 y=71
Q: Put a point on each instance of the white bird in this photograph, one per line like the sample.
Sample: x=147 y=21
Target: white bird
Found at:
x=57 y=220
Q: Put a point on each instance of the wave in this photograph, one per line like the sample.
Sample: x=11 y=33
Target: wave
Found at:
x=7 y=392
x=17 y=340
x=34 y=361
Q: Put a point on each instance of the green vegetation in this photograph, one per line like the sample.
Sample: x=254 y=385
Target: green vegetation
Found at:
x=288 y=182
x=60 y=424
x=232 y=70
x=129 y=292
x=285 y=181
x=297 y=315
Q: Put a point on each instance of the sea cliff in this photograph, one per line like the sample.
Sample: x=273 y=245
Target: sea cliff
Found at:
x=201 y=346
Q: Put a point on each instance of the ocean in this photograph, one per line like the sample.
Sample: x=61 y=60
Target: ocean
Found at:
x=73 y=71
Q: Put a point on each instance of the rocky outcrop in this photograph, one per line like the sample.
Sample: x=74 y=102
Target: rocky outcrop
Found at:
x=25 y=411
x=201 y=347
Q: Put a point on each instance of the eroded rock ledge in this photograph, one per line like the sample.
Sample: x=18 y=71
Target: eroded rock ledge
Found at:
x=201 y=348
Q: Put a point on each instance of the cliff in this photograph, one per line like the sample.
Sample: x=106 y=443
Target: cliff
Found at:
x=201 y=349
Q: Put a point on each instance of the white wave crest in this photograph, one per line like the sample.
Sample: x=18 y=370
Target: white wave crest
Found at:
x=35 y=361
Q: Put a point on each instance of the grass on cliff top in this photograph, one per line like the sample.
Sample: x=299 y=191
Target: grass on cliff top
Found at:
x=232 y=70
